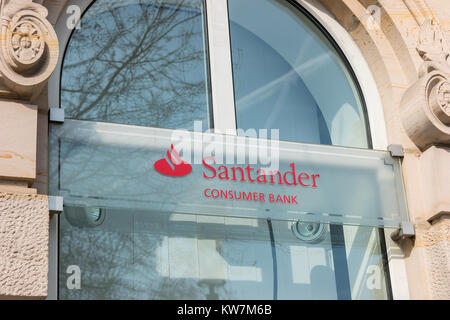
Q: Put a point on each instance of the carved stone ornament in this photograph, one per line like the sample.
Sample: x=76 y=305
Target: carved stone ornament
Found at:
x=28 y=46
x=443 y=97
x=425 y=107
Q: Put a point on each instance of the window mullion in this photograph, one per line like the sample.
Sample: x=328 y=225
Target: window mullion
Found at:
x=220 y=65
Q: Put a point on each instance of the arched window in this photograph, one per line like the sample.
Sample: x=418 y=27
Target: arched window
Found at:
x=138 y=63
x=289 y=76
x=137 y=70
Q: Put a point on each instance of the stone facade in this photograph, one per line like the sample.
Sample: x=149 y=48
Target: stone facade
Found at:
x=23 y=245
x=406 y=45
x=435 y=240
x=29 y=52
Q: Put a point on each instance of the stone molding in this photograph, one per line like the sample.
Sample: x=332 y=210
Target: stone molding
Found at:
x=29 y=47
x=425 y=107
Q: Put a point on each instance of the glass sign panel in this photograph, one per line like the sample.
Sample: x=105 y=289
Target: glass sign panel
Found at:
x=120 y=166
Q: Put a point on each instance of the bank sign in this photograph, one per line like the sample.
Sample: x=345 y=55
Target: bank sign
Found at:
x=172 y=165
x=159 y=170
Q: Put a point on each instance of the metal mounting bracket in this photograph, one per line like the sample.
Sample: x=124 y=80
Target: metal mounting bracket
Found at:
x=406 y=231
x=56 y=115
x=55 y=204
x=396 y=150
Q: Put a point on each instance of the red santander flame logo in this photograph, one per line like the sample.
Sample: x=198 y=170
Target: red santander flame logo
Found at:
x=173 y=166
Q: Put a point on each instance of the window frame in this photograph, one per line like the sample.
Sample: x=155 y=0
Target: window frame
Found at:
x=223 y=104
